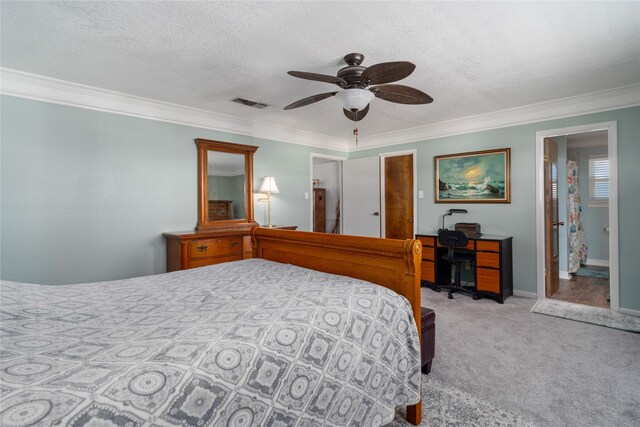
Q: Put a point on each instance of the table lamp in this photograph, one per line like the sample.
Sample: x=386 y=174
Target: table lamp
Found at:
x=268 y=186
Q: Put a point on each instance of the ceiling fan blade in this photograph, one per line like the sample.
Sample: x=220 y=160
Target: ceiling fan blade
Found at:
x=309 y=100
x=358 y=115
x=387 y=72
x=318 y=77
x=401 y=94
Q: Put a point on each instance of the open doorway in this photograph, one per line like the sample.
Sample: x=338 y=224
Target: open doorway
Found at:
x=578 y=229
x=326 y=194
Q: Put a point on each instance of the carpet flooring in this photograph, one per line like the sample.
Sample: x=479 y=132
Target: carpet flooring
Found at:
x=444 y=406
x=551 y=371
x=584 y=313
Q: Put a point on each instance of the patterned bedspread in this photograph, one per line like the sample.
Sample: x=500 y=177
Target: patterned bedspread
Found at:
x=238 y=344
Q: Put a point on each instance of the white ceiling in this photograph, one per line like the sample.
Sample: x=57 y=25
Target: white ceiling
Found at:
x=472 y=58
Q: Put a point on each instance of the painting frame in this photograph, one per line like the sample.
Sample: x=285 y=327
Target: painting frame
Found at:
x=443 y=165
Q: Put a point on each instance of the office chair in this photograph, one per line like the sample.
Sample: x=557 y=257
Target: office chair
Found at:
x=453 y=239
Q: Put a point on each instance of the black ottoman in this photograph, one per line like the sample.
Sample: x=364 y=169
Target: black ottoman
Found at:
x=428 y=319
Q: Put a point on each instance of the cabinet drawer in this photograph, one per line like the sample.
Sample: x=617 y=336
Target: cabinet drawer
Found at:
x=428 y=241
x=488 y=259
x=201 y=262
x=427 y=271
x=488 y=246
x=428 y=253
x=215 y=247
x=488 y=280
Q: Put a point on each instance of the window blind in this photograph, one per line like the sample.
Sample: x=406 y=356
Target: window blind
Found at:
x=598 y=180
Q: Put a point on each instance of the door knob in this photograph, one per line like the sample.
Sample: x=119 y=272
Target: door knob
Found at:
x=558 y=223
x=411 y=220
x=375 y=213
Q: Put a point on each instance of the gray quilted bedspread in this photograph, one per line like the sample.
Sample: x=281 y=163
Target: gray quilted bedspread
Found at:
x=238 y=344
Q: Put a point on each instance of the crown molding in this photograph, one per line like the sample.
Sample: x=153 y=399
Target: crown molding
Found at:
x=31 y=86
x=47 y=89
x=595 y=102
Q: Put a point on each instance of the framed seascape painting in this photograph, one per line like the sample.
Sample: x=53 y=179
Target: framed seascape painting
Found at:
x=475 y=177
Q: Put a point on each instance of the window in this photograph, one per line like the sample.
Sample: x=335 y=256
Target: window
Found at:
x=598 y=180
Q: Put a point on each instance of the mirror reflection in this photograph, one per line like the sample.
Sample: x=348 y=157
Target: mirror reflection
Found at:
x=226 y=182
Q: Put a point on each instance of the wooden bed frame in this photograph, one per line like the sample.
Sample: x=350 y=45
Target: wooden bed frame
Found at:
x=394 y=264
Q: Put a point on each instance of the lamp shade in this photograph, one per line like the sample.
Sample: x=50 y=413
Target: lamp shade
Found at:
x=268 y=185
x=355 y=99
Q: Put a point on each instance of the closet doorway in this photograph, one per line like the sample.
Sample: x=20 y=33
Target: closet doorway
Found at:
x=577 y=215
x=325 y=196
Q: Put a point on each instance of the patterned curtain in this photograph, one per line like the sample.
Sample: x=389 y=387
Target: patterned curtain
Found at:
x=577 y=238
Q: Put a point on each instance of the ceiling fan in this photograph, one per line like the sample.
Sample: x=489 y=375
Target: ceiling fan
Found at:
x=361 y=84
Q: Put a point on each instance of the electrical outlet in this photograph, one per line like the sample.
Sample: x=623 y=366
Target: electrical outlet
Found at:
x=420 y=194
x=306 y=195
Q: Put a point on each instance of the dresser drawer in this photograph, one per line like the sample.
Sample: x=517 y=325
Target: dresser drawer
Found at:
x=427 y=271
x=488 y=280
x=215 y=247
x=488 y=259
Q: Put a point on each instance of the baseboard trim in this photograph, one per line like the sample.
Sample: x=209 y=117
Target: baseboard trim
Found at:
x=525 y=294
x=630 y=312
x=598 y=262
x=565 y=275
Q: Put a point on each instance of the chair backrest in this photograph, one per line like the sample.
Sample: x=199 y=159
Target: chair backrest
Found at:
x=452 y=239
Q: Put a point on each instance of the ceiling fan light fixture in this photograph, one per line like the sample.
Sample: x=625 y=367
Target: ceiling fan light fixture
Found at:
x=355 y=99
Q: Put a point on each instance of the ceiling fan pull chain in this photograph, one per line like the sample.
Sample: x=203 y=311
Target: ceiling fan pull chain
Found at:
x=355 y=131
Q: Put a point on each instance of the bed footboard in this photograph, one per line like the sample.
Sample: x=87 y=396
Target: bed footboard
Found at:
x=394 y=264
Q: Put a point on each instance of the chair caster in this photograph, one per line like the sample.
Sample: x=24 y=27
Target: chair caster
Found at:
x=476 y=297
x=437 y=290
x=450 y=296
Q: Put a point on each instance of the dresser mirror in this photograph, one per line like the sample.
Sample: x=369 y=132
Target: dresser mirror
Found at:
x=225 y=185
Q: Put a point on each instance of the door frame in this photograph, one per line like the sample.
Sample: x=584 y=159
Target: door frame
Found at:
x=328 y=157
x=381 y=157
x=614 y=259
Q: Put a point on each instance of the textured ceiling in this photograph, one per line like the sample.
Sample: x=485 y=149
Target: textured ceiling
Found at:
x=472 y=58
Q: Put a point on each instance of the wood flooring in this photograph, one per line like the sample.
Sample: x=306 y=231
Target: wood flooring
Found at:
x=584 y=290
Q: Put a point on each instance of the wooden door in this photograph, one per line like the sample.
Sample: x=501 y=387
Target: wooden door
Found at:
x=398 y=197
x=361 y=197
x=552 y=265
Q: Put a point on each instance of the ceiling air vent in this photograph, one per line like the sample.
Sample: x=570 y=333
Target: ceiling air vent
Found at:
x=249 y=103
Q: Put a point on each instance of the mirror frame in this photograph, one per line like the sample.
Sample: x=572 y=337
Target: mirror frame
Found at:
x=204 y=146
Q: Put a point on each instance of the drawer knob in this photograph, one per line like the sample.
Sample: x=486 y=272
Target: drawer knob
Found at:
x=202 y=248
x=234 y=244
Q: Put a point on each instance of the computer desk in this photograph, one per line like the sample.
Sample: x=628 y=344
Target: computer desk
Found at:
x=493 y=273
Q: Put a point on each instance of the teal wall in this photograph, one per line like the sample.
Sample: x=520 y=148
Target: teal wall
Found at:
x=517 y=219
x=86 y=195
x=594 y=218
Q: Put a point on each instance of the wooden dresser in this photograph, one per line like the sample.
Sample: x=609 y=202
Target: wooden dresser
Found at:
x=192 y=249
x=320 y=210
x=199 y=248
x=493 y=273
